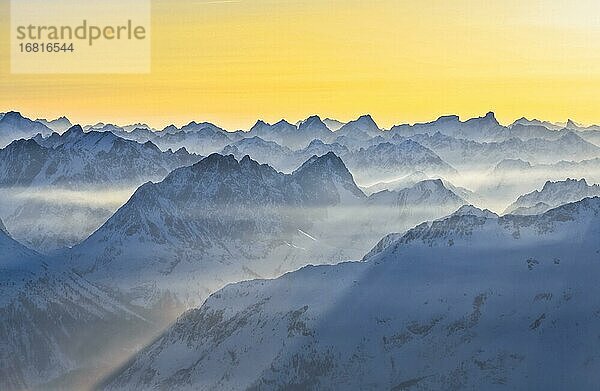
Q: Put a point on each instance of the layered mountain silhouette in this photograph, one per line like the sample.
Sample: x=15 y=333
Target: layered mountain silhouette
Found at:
x=59 y=189
x=223 y=220
x=552 y=195
x=315 y=254
x=473 y=301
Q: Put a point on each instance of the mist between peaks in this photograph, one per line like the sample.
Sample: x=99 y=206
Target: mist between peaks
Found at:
x=90 y=33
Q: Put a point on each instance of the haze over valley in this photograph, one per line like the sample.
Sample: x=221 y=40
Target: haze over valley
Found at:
x=452 y=254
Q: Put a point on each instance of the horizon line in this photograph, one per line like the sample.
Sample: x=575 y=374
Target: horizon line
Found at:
x=181 y=123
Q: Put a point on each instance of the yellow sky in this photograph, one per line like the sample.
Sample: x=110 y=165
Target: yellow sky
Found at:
x=231 y=62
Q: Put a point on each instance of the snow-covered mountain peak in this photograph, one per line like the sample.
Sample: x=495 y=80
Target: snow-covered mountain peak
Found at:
x=419 y=202
x=569 y=222
x=217 y=163
x=287 y=134
x=513 y=309
x=524 y=121
x=13 y=117
x=77 y=141
x=314 y=125
x=333 y=124
x=218 y=178
x=553 y=194
x=210 y=213
x=358 y=131
x=23 y=146
x=397 y=184
x=328 y=167
x=201 y=127
x=74 y=131
x=310 y=120
x=363 y=123
x=283 y=123
x=136 y=126
x=366 y=120
x=59 y=125
x=170 y=129
x=385 y=162
x=319 y=148
x=13 y=126
x=470 y=210
x=329 y=160
x=434 y=189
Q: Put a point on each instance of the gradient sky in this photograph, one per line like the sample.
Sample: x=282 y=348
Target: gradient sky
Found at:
x=231 y=62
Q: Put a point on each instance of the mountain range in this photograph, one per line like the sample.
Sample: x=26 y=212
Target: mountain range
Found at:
x=176 y=240
x=13 y=126
x=316 y=254
x=468 y=154
x=58 y=125
x=553 y=194
x=75 y=181
x=473 y=301
x=388 y=161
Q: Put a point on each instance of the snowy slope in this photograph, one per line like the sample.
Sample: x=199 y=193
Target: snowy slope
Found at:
x=393 y=212
x=313 y=128
x=58 y=190
x=419 y=176
x=512 y=178
x=224 y=220
x=387 y=161
x=362 y=128
x=53 y=322
x=471 y=302
x=13 y=126
x=333 y=124
x=397 y=184
x=554 y=194
x=218 y=221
